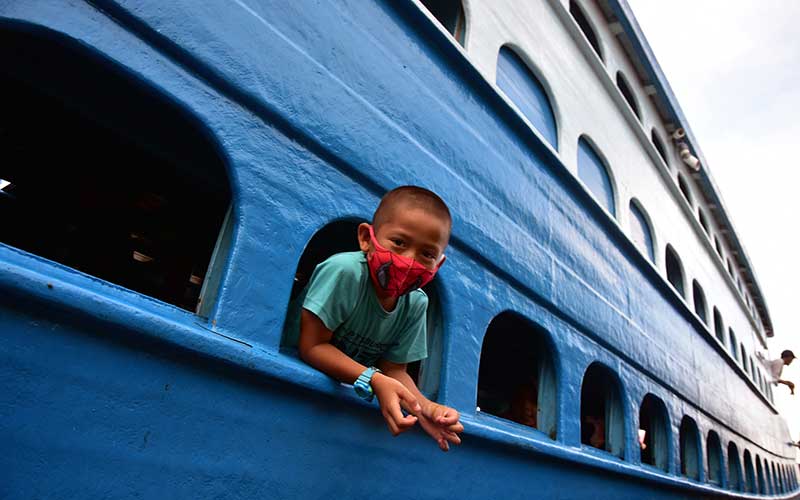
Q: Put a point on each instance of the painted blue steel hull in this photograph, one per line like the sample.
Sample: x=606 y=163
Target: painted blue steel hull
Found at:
x=318 y=108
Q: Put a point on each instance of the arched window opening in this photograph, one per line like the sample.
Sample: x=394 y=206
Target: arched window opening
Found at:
x=659 y=145
x=640 y=231
x=743 y=351
x=749 y=473
x=450 y=14
x=714 y=450
x=517 y=379
x=719 y=328
x=594 y=173
x=701 y=216
x=768 y=478
x=602 y=413
x=627 y=93
x=675 y=270
x=734 y=468
x=776 y=478
x=732 y=345
x=730 y=267
x=700 y=302
x=718 y=246
x=653 y=420
x=762 y=485
x=690 y=448
x=122 y=184
x=586 y=27
x=752 y=369
x=342 y=236
x=525 y=90
x=684 y=187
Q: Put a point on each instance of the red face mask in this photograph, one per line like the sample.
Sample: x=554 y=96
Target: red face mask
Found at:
x=395 y=274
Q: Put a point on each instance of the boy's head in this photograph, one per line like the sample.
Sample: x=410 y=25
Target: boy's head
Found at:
x=410 y=221
x=787 y=356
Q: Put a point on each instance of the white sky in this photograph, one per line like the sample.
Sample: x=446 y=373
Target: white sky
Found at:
x=734 y=66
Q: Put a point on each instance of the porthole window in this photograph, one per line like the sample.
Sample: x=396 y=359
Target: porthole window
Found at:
x=586 y=27
x=653 y=420
x=701 y=216
x=450 y=14
x=659 y=145
x=762 y=485
x=734 y=468
x=690 y=448
x=525 y=90
x=732 y=345
x=594 y=173
x=517 y=380
x=602 y=413
x=674 y=270
x=700 y=302
x=684 y=187
x=123 y=184
x=627 y=93
x=640 y=231
x=714 y=450
x=749 y=473
x=719 y=328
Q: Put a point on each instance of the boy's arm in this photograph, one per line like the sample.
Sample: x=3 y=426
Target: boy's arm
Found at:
x=316 y=350
x=440 y=421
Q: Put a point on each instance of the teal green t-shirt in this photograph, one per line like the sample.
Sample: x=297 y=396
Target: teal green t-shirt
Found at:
x=340 y=293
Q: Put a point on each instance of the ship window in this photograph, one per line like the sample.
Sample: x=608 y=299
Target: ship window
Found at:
x=627 y=93
x=718 y=246
x=701 y=216
x=516 y=380
x=593 y=172
x=719 y=328
x=762 y=486
x=129 y=189
x=749 y=473
x=653 y=420
x=730 y=267
x=690 y=448
x=714 y=450
x=674 y=270
x=776 y=478
x=700 y=302
x=684 y=187
x=732 y=345
x=586 y=27
x=743 y=360
x=342 y=236
x=602 y=413
x=640 y=230
x=768 y=478
x=450 y=14
x=752 y=368
x=734 y=468
x=659 y=145
x=518 y=82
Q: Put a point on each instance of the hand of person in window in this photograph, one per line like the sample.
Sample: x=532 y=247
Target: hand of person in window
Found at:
x=441 y=423
x=392 y=396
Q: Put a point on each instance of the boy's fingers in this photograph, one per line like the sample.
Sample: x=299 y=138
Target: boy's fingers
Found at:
x=409 y=402
x=449 y=417
x=443 y=445
x=458 y=427
x=401 y=422
x=452 y=437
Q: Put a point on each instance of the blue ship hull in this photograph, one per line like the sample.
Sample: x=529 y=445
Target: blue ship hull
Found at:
x=318 y=108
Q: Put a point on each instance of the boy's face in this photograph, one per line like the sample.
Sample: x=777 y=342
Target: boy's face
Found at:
x=411 y=232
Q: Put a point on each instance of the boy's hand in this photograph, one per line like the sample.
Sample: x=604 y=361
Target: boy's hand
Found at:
x=392 y=395
x=441 y=423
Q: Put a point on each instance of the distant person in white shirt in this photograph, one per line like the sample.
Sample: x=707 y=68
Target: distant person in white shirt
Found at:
x=776 y=367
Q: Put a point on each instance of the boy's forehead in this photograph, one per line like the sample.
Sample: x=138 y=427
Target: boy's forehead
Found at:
x=419 y=221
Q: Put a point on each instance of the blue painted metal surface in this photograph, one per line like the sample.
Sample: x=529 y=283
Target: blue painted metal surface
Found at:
x=318 y=108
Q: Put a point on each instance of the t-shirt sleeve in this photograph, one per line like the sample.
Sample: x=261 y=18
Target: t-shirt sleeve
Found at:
x=334 y=289
x=412 y=343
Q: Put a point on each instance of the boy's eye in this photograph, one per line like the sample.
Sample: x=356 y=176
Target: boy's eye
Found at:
x=429 y=255
x=397 y=241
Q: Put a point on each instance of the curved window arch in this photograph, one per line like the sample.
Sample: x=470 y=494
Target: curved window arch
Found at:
x=519 y=84
x=659 y=145
x=719 y=327
x=602 y=412
x=683 y=185
x=675 y=270
x=654 y=421
x=732 y=345
x=641 y=232
x=517 y=378
x=762 y=485
x=450 y=14
x=133 y=191
x=701 y=216
x=594 y=172
x=734 y=468
x=586 y=27
x=749 y=473
x=700 y=302
x=690 y=448
x=743 y=352
x=627 y=93
x=714 y=451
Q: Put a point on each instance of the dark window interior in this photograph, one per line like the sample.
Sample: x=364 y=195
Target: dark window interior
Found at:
x=689 y=448
x=734 y=468
x=450 y=14
x=684 y=187
x=719 y=329
x=627 y=93
x=700 y=302
x=586 y=27
x=107 y=176
x=601 y=411
x=662 y=151
x=674 y=270
x=714 y=450
x=653 y=421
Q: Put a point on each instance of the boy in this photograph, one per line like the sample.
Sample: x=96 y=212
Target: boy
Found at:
x=363 y=313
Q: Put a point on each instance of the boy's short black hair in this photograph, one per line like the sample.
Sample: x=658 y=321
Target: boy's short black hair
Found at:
x=787 y=354
x=411 y=197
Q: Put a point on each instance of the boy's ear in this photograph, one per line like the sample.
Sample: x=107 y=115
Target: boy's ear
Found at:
x=363 y=237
